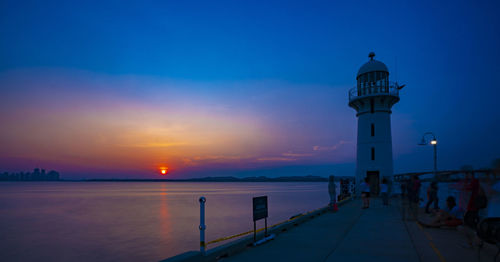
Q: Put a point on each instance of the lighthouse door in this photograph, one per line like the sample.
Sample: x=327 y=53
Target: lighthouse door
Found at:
x=373 y=180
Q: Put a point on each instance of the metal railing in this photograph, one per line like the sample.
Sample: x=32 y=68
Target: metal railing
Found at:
x=373 y=90
x=203 y=244
x=449 y=175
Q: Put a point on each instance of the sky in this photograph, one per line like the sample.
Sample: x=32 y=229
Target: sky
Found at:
x=113 y=89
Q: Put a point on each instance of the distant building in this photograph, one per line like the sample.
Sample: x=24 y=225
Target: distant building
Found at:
x=373 y=98
x=35 y=176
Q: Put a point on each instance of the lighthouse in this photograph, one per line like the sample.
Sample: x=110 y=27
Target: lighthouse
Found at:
x=373 y=98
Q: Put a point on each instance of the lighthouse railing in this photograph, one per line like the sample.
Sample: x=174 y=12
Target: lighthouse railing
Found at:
x=372 y=90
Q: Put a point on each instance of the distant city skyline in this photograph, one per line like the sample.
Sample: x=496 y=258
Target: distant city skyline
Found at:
x=37 y=175
x=111 y=90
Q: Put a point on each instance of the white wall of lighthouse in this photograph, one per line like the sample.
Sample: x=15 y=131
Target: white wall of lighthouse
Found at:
x=373 y=98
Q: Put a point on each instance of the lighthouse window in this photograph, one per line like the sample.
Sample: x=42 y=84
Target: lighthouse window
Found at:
x=373 y=153
x=373 y=129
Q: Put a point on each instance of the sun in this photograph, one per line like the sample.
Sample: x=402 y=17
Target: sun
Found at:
x=164 y=170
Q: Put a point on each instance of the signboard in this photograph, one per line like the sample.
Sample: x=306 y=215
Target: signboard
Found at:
x=259 y=208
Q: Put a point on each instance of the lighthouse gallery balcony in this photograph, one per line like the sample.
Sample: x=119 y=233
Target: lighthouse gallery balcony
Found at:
x=363 y=91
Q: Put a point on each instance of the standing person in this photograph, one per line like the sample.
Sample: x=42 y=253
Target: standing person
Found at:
x=432 y=194
x=486 y=201
x=414 y=196
x=494 y=206
x=404 y=187
x=365 y=193
x=404 y=199
x=472 y=211
x=384 y=192
x=333 y=192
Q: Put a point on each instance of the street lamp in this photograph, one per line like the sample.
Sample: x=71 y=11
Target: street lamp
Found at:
x=433 y=142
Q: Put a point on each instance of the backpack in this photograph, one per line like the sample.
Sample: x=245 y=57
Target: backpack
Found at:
x=481 y=199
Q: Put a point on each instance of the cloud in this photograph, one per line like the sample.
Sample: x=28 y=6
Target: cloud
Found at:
x=139 y=122
x=289 y=154
x=214 y=159
x=282 y=159
x=331 y=148
x=153 y=145
x=285 y=157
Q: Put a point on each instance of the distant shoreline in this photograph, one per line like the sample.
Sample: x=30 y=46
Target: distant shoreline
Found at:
x=222 y=179
x=225 y=179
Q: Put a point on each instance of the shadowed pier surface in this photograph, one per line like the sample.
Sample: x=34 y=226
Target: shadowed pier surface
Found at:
x=354 y=234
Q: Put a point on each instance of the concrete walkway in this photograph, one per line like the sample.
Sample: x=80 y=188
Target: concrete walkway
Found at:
x=352 y=234
x=374 y=234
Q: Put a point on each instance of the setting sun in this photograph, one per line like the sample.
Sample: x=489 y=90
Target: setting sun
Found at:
x=164 y=171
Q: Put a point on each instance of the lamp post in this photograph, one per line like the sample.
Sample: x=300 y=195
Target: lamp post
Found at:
x=433 y=142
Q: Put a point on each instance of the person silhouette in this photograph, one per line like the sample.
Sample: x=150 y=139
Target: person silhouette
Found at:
x=332 y=191
x=365 y=193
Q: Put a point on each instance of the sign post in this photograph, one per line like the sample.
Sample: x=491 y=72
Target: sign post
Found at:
x=259 y=212
x=202 y=226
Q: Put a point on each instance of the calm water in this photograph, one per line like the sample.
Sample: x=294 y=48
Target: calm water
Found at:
x=129 y=221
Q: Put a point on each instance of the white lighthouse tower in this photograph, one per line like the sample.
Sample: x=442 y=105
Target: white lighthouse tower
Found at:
x=373 y=98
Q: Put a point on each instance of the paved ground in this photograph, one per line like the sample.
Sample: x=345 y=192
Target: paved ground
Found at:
x=354 y=234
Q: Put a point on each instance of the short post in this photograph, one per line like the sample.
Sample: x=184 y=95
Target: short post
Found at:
x=254 y=231
x=202 y=225
x=265 y=226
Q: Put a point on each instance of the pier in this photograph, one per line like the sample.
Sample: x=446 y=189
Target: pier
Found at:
x=351 y=234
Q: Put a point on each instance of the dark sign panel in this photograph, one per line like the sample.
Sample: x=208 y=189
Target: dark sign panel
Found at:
x=259 y=208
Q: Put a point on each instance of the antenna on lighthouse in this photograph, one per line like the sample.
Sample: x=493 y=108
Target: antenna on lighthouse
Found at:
x=399 y=87
x=371 y=55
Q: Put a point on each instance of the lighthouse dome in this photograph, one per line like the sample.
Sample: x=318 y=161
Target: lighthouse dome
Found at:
x=372 y=66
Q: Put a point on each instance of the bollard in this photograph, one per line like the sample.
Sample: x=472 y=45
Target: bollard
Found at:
x=202 y=225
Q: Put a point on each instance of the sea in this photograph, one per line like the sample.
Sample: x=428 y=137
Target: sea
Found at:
x=135 y=221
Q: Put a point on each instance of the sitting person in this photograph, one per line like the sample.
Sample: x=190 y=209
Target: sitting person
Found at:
x=451 y=217
x=491 y=206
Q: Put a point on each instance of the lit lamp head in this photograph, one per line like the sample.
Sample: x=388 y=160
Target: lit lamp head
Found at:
x=434 y=142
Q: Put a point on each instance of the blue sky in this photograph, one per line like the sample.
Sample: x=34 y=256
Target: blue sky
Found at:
x=284 y=65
